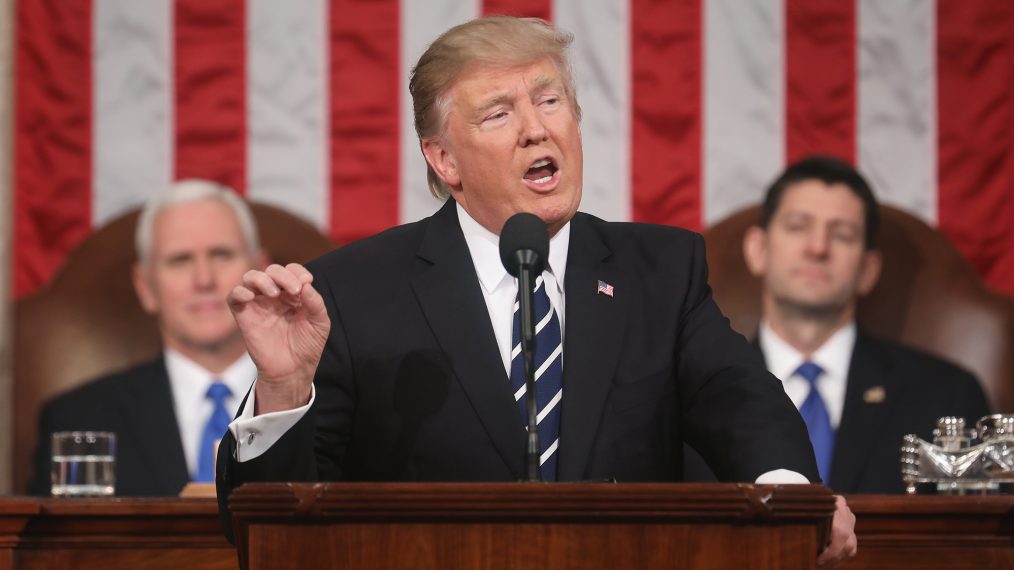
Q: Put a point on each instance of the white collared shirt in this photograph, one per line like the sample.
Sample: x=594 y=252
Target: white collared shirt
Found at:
x=834 y=357
x=189 y=382
x=500 y=289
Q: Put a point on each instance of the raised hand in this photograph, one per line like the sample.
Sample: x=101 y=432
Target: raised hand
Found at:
x=285 y=325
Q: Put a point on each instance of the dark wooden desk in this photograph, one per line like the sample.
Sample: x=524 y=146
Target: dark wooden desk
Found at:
x=512 y=526
x=949 y=533
x=107 y=534
x=894 y=532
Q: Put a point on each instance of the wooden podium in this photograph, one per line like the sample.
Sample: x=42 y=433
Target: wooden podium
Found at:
x=560 y=525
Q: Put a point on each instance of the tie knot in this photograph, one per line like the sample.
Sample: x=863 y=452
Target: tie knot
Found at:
x=218 y=392
x=809 y=371
x=537 y=286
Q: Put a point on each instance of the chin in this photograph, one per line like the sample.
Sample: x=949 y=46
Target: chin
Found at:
x=555 y=216
x=213 y=338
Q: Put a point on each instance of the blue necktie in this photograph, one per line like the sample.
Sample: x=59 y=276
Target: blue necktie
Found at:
x=217 y=424
x=818 y=423
x=548 y=377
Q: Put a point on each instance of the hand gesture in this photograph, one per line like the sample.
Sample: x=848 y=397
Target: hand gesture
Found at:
x=285 y=325
x=843 y=536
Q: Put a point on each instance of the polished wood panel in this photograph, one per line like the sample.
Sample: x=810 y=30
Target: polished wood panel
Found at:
x=950 y=533
x=929 y=532
x=566 y=525
x=104 y=534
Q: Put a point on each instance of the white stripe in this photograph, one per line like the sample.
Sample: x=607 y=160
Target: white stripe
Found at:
x=600 y=56
x=287 y=103
x=421 y=23
x=521 y=391
x=549 y=451
x=517 y=347
x=897 y=102
x=545 y=321
x=132 y=104
x=538 y=328
x=744 y=114
x=549 y=407
x=545 y=365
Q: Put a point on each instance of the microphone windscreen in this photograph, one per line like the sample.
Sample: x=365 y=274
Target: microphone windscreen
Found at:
x=523 y=232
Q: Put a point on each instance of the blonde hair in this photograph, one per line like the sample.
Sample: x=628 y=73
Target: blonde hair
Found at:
x=493 y=41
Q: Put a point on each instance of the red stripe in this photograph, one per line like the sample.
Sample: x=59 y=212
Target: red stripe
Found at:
x=520 y=8
x=52 y=136
x=820 y=90
x=666 y=75
x=210 y=70
x=365 y=127
x=975 y=129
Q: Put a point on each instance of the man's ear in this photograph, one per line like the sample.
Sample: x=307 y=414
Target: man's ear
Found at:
x=869 y=271
x=755 y=250
x=145 y=294
x=441 y=161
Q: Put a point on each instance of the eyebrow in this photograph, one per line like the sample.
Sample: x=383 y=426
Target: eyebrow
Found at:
x=832 y=221
x=540 y=84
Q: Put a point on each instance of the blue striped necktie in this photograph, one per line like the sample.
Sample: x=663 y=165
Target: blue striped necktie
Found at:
x=818 y=422
x=548 y=377
x=216 y=427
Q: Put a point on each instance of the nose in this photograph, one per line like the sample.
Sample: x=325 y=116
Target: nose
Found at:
x=204 y=274
x=532 y=129
x=818 y=243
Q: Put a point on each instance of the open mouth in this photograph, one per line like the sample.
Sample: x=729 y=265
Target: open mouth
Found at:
x=541 y=171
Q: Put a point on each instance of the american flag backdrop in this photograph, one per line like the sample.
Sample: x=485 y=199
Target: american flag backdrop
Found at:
x=690 y=108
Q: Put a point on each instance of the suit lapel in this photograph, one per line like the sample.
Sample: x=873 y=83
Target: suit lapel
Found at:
x=449 y=294
x=592 y=341
x=154 y=428
x=862 y=421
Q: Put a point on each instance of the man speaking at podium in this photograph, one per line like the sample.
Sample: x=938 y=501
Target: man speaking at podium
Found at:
x=398 y=362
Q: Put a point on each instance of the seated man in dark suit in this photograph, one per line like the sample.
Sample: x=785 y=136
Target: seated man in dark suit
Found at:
x=400 y=361
x=194 y=242
x=815 y=251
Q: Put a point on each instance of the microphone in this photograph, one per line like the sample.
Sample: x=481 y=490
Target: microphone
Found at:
x=524 y=249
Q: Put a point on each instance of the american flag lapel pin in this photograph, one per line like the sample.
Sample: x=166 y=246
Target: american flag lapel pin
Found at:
x=604 y=289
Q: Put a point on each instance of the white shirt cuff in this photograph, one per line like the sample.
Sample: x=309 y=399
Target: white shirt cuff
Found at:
x=782 y=477
x=256 y=434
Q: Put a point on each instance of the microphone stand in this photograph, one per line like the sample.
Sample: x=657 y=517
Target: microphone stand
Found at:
x=526 y=300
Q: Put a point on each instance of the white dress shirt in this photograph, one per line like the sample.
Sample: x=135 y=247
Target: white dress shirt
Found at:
x=189 y=382
x=254 y=435
x=500 y=289
x=834 y=357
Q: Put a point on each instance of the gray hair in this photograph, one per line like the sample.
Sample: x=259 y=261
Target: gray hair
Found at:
x=494 y=42
x=192 y=190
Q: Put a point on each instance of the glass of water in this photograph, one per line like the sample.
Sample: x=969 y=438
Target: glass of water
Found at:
x=84 y=464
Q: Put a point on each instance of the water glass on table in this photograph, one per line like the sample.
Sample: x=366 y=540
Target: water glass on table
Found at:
x=83 y=464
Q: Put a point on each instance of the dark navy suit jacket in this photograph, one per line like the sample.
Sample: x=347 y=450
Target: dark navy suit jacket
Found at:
x=892 y=391
x=411 y=385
